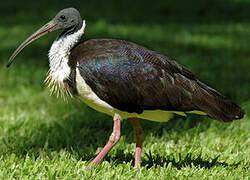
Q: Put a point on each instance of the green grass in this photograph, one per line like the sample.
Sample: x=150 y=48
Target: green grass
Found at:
x=44 y=137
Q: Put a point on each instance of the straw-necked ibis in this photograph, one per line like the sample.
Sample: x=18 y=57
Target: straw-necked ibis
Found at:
x=125 y=80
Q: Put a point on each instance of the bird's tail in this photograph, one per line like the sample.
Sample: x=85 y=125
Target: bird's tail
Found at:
x=216 y=105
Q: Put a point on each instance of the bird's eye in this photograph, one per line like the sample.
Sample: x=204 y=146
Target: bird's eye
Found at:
x=62 y=17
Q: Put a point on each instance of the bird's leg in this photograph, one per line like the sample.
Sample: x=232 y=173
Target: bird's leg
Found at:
x=113 y=139
x=139 y=139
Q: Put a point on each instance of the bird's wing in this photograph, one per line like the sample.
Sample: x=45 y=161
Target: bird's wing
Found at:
x=132 y=78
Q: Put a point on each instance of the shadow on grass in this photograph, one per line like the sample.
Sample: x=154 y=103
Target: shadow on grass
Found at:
x=154 y=160
x=82 y=138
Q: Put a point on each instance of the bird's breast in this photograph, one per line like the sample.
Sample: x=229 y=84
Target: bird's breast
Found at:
x=88 y=96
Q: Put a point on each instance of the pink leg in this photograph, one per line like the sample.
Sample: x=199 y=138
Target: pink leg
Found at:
x=113 y=139
x=139 y=139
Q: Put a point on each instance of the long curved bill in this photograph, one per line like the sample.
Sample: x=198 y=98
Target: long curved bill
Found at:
x=49 y=27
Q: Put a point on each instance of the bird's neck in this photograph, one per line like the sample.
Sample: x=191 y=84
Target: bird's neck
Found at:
x=58 y=60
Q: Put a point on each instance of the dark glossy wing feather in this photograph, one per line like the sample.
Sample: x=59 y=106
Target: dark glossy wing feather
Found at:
x=132 y=78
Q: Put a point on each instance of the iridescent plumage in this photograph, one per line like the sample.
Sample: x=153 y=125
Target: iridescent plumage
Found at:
x=124 y=80
x=133 y=78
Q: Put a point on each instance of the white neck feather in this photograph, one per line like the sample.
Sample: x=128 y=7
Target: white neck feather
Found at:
x=59 y=54
x=58 y=60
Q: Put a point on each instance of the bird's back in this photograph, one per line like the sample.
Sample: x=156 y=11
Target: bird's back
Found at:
x=132 y=78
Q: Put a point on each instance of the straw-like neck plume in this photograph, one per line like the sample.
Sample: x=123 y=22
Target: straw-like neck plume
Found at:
x=58 y=60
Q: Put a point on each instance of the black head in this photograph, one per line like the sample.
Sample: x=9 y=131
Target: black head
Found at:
x=68 y=20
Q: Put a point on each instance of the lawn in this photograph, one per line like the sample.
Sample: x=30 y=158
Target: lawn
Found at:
x=44 y=137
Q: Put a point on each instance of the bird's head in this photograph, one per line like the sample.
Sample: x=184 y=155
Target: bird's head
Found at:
x=68 y=20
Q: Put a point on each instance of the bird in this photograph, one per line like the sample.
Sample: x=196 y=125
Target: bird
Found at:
x=124 y=80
